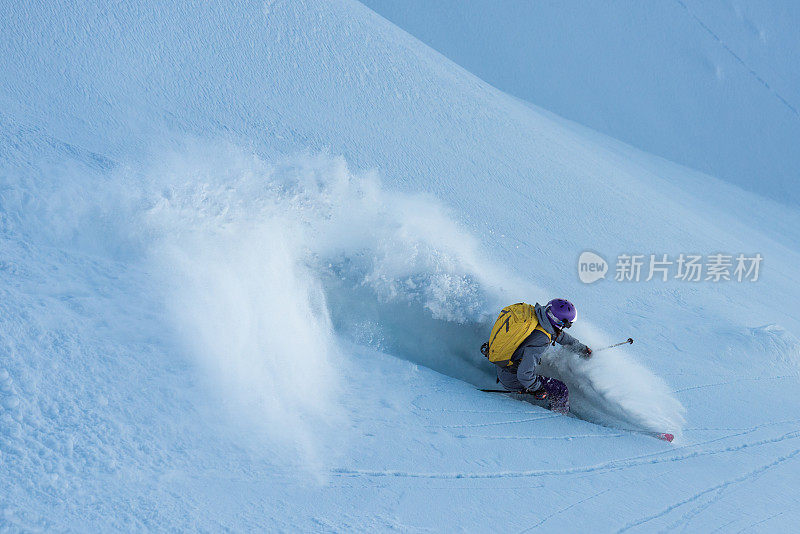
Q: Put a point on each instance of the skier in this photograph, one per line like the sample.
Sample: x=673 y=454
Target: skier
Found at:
x=521 y=334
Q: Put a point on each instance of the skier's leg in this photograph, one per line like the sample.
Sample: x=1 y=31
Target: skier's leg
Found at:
x=557 y=393
x=509 y=380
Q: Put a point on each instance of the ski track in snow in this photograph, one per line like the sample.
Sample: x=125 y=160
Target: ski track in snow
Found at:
x=739 y=59
x=568 y=437
x=745 y=429
x=730 y=382
x=565 y=509
x=415 y=405
x=718 y=488
x=613 y=465
x=759 y=522
x=496 y=423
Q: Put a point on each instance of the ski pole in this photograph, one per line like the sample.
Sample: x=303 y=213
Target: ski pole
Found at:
x=627 y=341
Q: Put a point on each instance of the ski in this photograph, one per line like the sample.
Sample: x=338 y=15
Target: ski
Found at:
x=663 y=436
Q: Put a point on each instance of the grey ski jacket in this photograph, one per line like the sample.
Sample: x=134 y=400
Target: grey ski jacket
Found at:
x=529 y=355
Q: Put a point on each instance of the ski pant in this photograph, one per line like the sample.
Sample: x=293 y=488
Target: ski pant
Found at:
x=508 y=377
x=557 y=391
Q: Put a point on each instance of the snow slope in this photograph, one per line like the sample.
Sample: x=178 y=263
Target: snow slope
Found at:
x=714 y=85
x=248 y=255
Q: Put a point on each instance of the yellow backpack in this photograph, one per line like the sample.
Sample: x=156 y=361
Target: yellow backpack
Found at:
x=513 y=325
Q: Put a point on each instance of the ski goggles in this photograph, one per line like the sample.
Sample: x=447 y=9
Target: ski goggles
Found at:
x=558 y=323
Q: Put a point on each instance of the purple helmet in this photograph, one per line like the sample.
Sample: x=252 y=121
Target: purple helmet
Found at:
x=561 y=313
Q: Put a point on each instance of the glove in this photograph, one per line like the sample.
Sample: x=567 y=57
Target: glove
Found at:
x=585 y=352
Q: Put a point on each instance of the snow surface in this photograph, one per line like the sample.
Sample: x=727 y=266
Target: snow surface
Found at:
x=712 y=84
x=249 y=254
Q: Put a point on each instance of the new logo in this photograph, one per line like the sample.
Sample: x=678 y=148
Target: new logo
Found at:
x=591 y=267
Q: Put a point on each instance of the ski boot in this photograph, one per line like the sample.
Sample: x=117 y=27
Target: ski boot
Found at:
x=556 y=391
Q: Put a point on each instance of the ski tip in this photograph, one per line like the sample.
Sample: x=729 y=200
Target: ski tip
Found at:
x=666 y=437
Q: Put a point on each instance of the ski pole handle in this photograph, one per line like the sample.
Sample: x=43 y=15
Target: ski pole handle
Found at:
x=627 y=341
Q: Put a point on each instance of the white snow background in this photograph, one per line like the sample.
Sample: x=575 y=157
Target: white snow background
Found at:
x=249 y=254
x=711 y=84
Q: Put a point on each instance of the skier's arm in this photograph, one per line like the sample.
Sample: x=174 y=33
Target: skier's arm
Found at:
x=573 y=344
